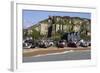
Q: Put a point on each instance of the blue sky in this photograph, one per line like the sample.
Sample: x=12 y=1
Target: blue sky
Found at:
x=31 y=17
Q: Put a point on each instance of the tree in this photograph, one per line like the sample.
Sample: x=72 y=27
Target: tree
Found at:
x=25 y=33
x=35 y=34
x=85 y=28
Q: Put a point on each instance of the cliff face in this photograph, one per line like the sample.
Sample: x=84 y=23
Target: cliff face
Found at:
x=63 y=24
x=56 y=25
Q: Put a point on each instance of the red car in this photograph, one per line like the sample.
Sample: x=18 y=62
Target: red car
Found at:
x=72 y=44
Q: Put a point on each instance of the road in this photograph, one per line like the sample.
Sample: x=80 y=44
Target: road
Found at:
x=74 y=55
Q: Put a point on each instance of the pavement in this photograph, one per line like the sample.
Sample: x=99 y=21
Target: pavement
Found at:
x=67 y=55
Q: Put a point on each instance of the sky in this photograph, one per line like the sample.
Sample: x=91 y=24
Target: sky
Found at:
x=31 y=17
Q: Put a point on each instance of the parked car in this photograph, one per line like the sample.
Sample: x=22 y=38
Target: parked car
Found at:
x=83 y=43
x=26 y=45
x=29 y=44
x=43 y=44
x=61 y=44
x=72 y=44
x=50 y=43
x=33 y=44
x=89 y=44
